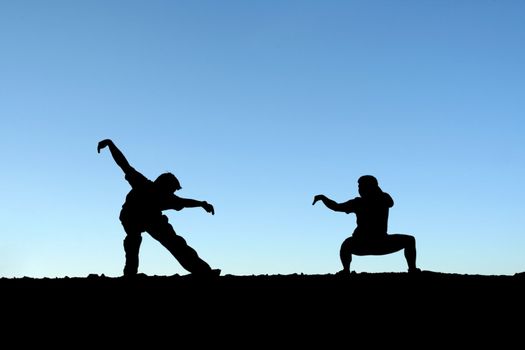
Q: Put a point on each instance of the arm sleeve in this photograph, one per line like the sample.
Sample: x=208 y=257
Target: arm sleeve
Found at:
x=135 y=178
x=174 y=202
x=350 y=206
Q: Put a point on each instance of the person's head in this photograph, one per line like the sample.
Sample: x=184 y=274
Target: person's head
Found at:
x=168 y=182
x=368 y=185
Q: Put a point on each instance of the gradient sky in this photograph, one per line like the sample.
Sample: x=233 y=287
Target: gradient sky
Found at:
x=257 y=106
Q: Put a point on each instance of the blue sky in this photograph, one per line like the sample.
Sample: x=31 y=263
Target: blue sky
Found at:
x=257 y=106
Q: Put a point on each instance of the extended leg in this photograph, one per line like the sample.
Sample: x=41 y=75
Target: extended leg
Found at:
x=163 y=232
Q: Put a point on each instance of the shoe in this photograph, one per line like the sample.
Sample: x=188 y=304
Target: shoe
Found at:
x=344 y=273
x=414 y=270
x=208 y=274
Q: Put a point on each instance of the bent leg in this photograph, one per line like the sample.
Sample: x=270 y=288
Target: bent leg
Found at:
x=387 y=245
x=163 y=232
x=397 y=242
x=345 y=254
x=410 y=253
x=393 y=243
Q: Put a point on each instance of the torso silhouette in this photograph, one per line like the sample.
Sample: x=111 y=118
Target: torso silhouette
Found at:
x=145 y=202
x=371 y=213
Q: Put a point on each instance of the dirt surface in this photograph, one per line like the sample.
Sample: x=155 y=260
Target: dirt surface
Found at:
x=293 y=308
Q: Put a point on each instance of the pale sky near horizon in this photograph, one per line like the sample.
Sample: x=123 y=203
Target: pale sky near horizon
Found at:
x=257 y=106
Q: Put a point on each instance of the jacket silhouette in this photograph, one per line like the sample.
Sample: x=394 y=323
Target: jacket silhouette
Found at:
x=142 y=212
x=370 y=236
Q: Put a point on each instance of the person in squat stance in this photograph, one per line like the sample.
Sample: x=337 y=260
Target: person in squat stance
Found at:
x=370 y=236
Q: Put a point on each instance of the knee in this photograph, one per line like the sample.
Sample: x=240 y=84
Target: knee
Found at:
x=346 y=246
x=411 y=241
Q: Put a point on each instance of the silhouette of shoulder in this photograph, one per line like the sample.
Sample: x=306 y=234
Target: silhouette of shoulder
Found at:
x=172 y=201
x=388 y=200
x=352 y=205
x=136 y=179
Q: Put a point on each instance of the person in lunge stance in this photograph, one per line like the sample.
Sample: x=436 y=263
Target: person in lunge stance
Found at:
x=142 y=212
x=370 y=236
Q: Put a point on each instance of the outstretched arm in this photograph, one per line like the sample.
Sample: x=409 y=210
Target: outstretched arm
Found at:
x=192 y=203
x=330 y=204
x=119 y=158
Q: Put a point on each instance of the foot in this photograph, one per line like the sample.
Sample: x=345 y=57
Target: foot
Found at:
x=414 y=270
x=134 y=276
x=208 y=274
x=344 y=273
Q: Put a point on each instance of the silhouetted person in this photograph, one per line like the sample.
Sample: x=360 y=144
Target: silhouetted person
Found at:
x=370 y=236
x=142 y=212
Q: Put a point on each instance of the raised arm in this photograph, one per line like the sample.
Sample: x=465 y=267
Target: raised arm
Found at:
x=119 y=158
x=330 y=204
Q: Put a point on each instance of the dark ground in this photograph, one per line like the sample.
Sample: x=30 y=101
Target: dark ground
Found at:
x=295 y=309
